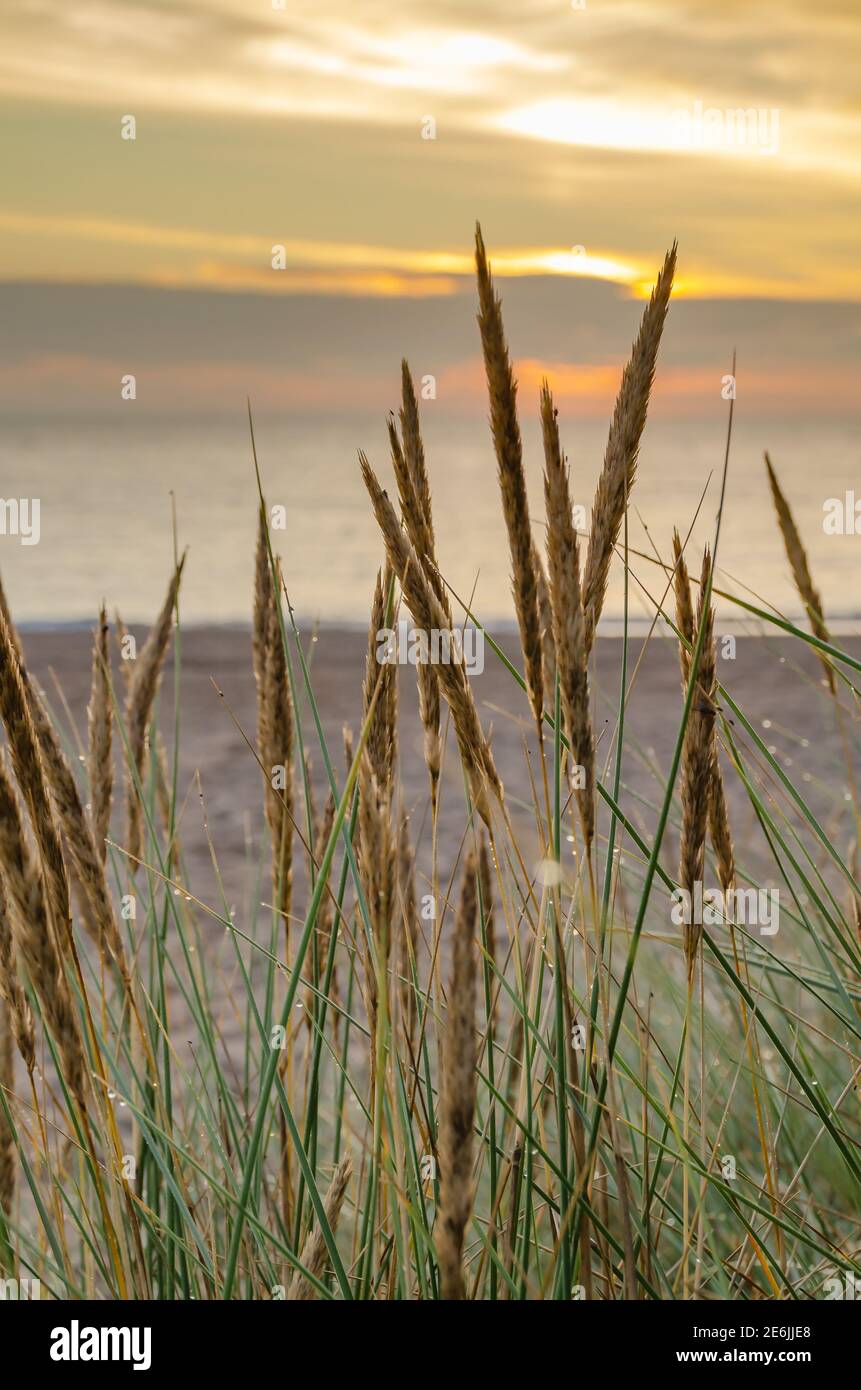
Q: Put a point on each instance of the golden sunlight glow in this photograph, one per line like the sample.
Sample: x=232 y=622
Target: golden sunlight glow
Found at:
x=602 y=124
x=244 y=261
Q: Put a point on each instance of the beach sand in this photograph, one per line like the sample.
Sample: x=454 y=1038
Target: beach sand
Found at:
x=776 y=682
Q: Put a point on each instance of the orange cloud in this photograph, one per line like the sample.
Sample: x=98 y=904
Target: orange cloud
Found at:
x=71 y=382
x=587 y=390
x=376 y=284
x=229 y=261
x=74 y=382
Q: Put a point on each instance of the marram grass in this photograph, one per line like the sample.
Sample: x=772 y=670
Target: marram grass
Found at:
x=550 y=1087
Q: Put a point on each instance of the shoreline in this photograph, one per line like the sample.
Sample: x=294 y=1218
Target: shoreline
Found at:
x=845 y=625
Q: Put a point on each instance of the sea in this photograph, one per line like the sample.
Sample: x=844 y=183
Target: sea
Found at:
x=118 y=495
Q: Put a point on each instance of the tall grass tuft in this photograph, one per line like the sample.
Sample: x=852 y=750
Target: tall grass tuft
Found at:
x=433 y=1045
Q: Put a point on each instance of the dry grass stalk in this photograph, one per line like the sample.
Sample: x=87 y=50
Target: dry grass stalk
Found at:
x=8 y=1157
x=275 y=750
x=313 y=1256
x=569 y=635
x=697 y=773
x=262 y=590
x=261 y=625
x=274 y=723
x=347 y=741
x=718 y=814
x=623 y=446
x=545 y=613
x=377 y=864
x=83 y=850
x=512 y=1223
x=408 y=936
x=719 y=829
x=684 y=607
x=487 y=900
x=164 y=792
x=457 y=1095
x=123 y=640
x=100 y=767
x=378 y=868
x=381 y=679
x=428 y=614
x=325 y=912
x=429 y=712
x=854 y=896
x=797 y=557
x=377 y=839
x=502 y=390
x=20 y=1014
x=16 y=713
x=11 y=629
x=414 y=453
x=408 y=462
x=411 y=476
x=142 y=691
x=35 y=938
x=279 y=761
x=485 y=881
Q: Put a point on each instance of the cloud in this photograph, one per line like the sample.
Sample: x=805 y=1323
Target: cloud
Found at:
x=205 y=351
x=371 y=62
x=240 y=261
x=553 y=124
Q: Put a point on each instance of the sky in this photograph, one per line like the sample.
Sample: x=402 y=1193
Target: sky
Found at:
x=358 y=144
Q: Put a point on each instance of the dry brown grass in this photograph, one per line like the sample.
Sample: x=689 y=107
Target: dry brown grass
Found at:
x=8 y=1152
x=35 y=938
x=87 y=863
x=378 y=849
x=380 y=690
x=143 y=688
x=21 y=1023
x=408 y=462
x=798 y=564
x=429 y=615
x=684 y=608
x=16 y=713
x=623 y=447
x=502 y=390
x=545 y=613
x=569 y=632
x=313 y=1255
x=697 y=771
x=274 y=726
x=718 y=814
x=408 y=929
x=100 y=717
x=457 y=1107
